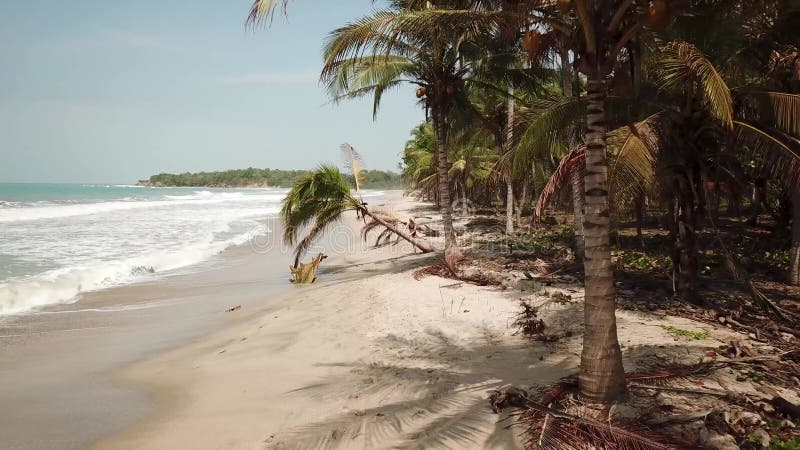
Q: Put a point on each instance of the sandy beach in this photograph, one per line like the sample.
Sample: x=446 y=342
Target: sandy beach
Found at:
x=370 y=357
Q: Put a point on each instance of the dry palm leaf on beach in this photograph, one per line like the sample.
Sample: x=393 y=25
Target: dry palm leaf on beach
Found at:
x=307 y=272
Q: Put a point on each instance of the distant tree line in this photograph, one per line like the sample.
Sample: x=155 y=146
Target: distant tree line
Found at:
x=252 y=177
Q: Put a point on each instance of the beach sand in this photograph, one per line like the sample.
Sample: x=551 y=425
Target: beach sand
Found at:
x=368 y=357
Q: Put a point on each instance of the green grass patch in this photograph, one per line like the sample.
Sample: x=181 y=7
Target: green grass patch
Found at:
x=689 y=334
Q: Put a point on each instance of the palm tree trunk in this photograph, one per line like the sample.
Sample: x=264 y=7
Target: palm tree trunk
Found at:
x=509 y=205
x=523 y=200
x=442 y=168
x=423 y=245
x=566 y=71
x=508 y=144
x=602 y=378
x=577 y=210
x=794 y=263
x=577 y=194
x=685 y=242
x=640 y=205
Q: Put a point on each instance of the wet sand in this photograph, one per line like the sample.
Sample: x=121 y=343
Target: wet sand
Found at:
x=59 y=368
x=54 y=386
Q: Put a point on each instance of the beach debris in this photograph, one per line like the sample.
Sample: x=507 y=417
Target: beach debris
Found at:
x=234 y=308
x=528 y=322
x=141 y=270
x=307 y=272
x=511 y=396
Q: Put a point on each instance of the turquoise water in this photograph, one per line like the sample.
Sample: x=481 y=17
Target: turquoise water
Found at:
x=58 y=240
x=34 y=192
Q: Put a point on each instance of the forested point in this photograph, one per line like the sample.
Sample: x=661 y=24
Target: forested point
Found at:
x=252 y=177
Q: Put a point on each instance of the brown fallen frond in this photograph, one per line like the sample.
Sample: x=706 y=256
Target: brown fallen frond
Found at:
x=557 y=429
x=574 y=160
x=668 y=375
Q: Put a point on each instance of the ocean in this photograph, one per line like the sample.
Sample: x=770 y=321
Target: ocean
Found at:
x=59 y=240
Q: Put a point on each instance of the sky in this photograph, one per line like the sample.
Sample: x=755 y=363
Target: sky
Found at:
x=112 y=92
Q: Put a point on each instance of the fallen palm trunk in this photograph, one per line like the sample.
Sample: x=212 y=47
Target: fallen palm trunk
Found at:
x=423 y=245
x=315 y=204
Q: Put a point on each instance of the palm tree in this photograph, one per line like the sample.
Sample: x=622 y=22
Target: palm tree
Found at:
x=794 y=255
x=318 y=201
x=412 y=42
x=700 y=133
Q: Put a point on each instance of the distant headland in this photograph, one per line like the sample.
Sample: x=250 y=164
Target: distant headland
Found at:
x=260 y=178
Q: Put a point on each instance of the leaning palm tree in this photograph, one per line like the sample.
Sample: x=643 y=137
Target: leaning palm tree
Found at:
x=419 y=43
x=317 y=202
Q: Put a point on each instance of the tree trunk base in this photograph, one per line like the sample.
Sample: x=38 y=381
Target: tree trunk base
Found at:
x=794 y=265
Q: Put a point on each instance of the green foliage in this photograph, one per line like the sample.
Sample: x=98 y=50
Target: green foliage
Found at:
x=543 y=241
x=252 y=177
x=751 y=375
x=779 y=444
x=776 y=443
x=641 y=261
x=317 y=200
x=691 y=335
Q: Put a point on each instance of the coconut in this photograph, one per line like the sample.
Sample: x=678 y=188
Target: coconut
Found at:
x=421 y=92
x=533 y=44
x=658 y=14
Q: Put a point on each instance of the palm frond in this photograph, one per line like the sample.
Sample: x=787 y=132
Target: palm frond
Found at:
x=778 y=109
x=575 y=428
x=632 y=151
x=317 y=200
x=353 y=162
x=575 y=160
x=545 y=123
x=774 y=155
x=263 y=10
x=683 y=66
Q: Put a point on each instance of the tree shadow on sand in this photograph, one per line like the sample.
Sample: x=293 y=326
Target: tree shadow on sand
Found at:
x=433 y=394
x=431 y=390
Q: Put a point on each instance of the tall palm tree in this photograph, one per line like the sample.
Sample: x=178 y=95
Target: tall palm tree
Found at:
x=595 y=37
x=317 y=202
x=412 y=42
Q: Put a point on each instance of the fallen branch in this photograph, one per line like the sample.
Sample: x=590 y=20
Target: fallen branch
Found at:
x=680 y=418
x=678 y=390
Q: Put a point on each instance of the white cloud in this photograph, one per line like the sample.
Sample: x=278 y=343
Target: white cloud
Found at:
x=301 y=77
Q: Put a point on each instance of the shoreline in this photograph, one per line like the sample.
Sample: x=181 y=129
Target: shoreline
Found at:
x=370 y=356
x=374 y=357
x=59 y=356
x=53 y=361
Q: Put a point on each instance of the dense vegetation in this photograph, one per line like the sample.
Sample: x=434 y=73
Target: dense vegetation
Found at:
x=252 y=177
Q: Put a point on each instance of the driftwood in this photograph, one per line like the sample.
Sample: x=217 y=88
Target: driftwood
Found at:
x=680 y=418
x=307 y=272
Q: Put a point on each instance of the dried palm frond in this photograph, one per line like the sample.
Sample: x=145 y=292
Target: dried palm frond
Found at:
x=354 y=163
x=567 y=425
x=670 y=375
x=575 y=160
